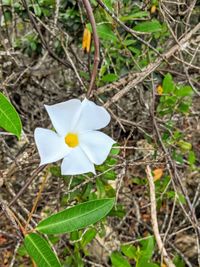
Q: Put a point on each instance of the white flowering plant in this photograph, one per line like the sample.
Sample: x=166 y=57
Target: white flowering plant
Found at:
x=83 y=149
x=77 y=140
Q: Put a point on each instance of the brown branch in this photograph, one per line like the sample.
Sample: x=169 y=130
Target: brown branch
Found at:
x=126 y=28
x=26 y=185
x=154 y=220
x=90 y=15
x=153 y=66
x=45 y=45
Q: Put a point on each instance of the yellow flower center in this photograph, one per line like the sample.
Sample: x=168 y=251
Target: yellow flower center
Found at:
x=71 y=139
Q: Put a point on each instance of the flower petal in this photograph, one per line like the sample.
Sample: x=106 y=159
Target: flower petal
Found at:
x=62 y=115
x=50 y=145
x=96 y=145
x=76 y=163
x=92 y=117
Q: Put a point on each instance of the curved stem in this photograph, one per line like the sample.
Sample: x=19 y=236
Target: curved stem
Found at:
x=90 y=15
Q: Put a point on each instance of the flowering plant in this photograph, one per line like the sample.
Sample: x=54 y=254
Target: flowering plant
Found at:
x=77 y=140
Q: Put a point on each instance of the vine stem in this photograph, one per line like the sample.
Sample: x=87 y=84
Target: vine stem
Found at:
x=90 y=15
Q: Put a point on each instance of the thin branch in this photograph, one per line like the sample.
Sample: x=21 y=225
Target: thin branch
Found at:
x=90 y=15
x=153 y=66
x=45 y=45
x=154 y=220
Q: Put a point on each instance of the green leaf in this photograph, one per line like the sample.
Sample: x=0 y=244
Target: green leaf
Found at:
x=77 y=217
x=108 y=3
x=105 y=32
x=185 y=146
x=137 y=15
x=88 y=237
x=40 y=251
x=118 y=260
x=191 y=157
x=168 y=84
x=111 y=77
x=147 y=247
x=144 y=263
x=9 y=118
x=184 y=91
x=130 y=251
x=148 y=26
x=178 y=261
x=184 y=107
x=37 y=10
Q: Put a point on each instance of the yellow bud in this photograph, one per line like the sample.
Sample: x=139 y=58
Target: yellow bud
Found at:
x=86 y=42
x=159 y=90
x=153 y=9
x=157 y=174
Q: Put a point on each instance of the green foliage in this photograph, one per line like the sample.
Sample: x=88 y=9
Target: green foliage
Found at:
x=140 y=255
x=121 y=54
x=176 y=99
x=148 y=26
x=77 y=217
x=30 y=45
x=40 y=251
x=9 y=118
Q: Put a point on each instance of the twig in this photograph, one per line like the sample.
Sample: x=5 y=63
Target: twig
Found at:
x=34 y=23
x=154 y=219
x=29 y=181
x=152 y=66
x=36 y=201
x=96 y=46
x=126 y=28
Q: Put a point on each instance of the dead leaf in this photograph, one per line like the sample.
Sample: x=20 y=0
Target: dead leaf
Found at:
x=157 y=174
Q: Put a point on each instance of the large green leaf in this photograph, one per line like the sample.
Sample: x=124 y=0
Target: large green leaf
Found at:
x=40 y=251
x=148 y=26
x=9 y=118
x=76 y=217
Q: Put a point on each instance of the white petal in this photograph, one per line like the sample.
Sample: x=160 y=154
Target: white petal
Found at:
x=50 y=145
x=62 y=115
x=96 y=145
x=92 y=117
x=76 y=163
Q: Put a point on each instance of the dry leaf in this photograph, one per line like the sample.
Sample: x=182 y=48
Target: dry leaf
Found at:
x=157 y=174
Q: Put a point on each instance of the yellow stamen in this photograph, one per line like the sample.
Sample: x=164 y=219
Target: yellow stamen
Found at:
x=71 y=139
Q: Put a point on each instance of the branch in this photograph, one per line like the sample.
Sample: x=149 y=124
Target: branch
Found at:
x=96 y=45
x=45 y=45
x=153 y=66
x=154 y=221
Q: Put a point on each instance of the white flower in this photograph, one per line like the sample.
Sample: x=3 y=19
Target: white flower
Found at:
x=76 y=139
